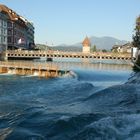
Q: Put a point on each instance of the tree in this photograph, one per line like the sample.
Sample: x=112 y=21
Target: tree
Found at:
x=136 y=37
x=104 y=50
x=115 y=50
x=41 y=47
x=136 y=43
x=93 y=49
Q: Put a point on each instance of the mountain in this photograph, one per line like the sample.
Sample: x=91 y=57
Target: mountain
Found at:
x=104 y=42
x=41 y=47
x=72 y=48
x=100 y=42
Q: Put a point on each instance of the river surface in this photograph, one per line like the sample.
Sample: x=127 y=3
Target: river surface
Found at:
x=95 y=102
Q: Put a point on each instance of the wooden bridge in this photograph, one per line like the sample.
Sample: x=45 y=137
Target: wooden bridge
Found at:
x=31 y=68
x=25 y=54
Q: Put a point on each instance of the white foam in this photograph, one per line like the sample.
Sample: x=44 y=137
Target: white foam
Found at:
x=8 y=74
x=36 y=74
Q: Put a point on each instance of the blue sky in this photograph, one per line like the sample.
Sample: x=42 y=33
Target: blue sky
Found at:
x=69 y=21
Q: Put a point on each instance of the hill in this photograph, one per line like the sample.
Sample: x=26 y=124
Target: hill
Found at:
x=100 y=42
x=104 y=42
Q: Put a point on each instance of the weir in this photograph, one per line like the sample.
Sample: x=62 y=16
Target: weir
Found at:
x=31 y=68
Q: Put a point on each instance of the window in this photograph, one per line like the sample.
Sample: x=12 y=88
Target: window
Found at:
x=4 y=39
x=15 y=32
x=5 y=32
x=0 y=22
x=4 y=23
x=15 y=40
x=15 y=25
x=9 y=32
x=9 y=24
x=0 y=40
x=9 y=39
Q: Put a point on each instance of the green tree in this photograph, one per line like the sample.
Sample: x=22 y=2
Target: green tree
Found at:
x=136 y=43
x=136 y=36
x=104 y=50
x=93 y=49
x=115 y=50
x=41 y=47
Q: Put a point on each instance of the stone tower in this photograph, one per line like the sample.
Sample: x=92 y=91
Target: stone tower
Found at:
x=86 y=45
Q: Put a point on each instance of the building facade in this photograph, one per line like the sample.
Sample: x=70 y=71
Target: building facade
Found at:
x=15 y=31
x=3 y=31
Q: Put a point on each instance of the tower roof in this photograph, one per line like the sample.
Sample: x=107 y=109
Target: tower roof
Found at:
x=86 y=42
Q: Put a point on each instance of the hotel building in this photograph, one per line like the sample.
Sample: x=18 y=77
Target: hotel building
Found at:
x=15 y=31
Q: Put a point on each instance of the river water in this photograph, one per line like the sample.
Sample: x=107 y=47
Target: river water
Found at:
x=97 y=102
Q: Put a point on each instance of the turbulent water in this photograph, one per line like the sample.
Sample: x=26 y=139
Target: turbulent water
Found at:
x=93 y=104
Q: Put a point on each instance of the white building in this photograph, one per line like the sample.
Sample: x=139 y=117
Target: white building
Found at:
x=126 y=48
